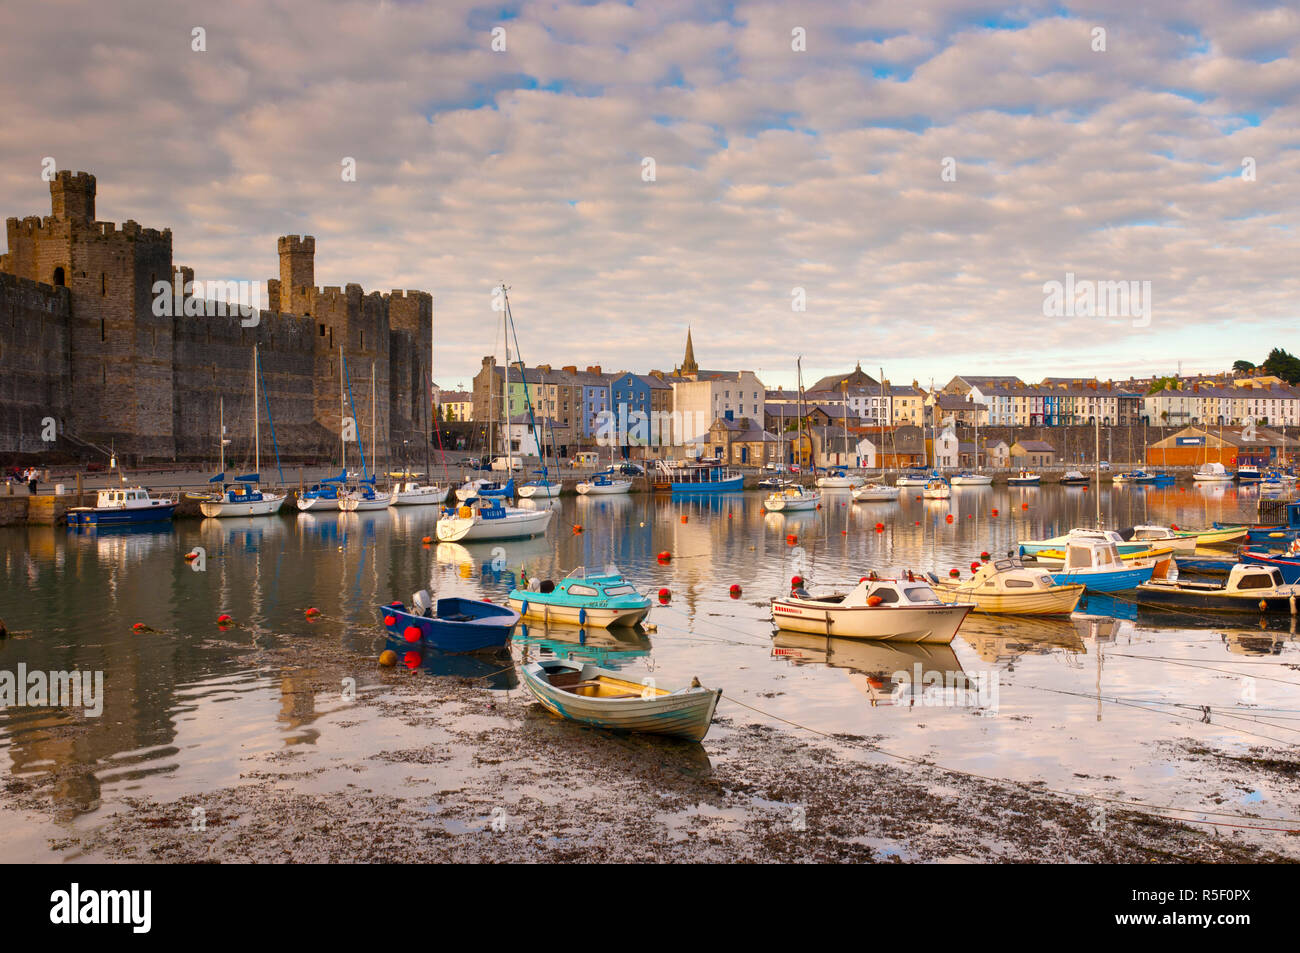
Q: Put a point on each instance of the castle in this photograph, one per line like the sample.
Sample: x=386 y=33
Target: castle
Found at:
x=82 y=345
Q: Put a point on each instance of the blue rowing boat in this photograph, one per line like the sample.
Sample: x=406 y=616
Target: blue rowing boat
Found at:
x=459 y=625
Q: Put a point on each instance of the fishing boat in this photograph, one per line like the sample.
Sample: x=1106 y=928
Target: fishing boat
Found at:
x=1075 y=478
x=897 y=610
x=838 y=479
x=595 y=696
x=1248 y=474
x=967 y=478
x=792 y=499
x=121 y=506
x=875 y=493
x=1212 y=473
x=457 y=624
x=414 y=493
x=1206 y=565
x=1007 y=587
x=489 y=519
x=604 y=483
x=1218 y=536
x=1029 y=478
x=363 y=497
x=1287 y=562
x=1249 y=588
x=601 y=599
x=1161 y=537
x=1134 y=476
x=244 y=497
x=703 y=478
x=1031 y=547
x=1096 y=564
x=936 y=490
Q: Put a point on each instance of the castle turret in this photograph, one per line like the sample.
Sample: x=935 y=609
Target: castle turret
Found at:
x=72 y=197
x=297 y=273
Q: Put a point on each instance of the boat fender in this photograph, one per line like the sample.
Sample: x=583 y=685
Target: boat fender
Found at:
x=1262 y=605
x=411 y=633
x=874 y=601
x=582 y=617
x=390 y=620
x=1293 y=605
x=412 y=660
x=523 y=607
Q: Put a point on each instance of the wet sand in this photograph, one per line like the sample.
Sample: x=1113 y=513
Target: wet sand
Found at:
x=528 y=787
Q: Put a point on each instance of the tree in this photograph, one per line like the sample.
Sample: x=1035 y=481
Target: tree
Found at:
x=1283 y=365
x=1242 y=367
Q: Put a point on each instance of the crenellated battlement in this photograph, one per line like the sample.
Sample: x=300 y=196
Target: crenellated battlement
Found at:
x=296 y=244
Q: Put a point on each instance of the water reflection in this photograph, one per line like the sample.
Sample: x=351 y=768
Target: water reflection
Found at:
x=608 y=648
x=882 y=671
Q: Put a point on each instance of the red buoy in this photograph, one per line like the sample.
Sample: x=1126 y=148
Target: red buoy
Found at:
x=139 y=627
x=974 y=567
x=949 y=517
x=411 y=634
x=984 y=555
x=880 y=527
x=577 y=528
x=684 y=517
x=665 y=556
x=312 y=611
x=791 y=539
x=954 y=573
x=390 y=620
x=411 y=660
x=223 y=619
x=796 y=582
x=427 y=540
x=665 y=595
x=189 y=556
x=1024 y=506
x=735 y=591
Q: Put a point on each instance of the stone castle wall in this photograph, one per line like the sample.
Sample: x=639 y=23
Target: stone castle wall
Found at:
x=35 y=383
x=150 y=385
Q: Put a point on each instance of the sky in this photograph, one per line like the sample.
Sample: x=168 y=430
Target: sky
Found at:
x=894 y=184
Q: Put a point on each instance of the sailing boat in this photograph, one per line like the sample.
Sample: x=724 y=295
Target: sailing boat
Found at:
x=792 y=499
x=838 y=478
x=491 y=519
x=543 y=488
x=364 y=496
x=878 y=492
x=966 y=477
x=245 y=497
x=411 y=492
x=324 y=496
x=606 y=482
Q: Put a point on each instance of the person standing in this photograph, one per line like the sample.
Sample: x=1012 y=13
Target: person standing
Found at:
x=32 y=474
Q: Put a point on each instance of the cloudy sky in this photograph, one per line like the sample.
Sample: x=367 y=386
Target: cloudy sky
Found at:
x=775 y=168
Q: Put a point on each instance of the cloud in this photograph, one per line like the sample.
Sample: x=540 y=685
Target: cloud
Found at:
x=774 y=169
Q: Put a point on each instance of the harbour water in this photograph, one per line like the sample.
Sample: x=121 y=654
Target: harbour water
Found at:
x=1109 y=705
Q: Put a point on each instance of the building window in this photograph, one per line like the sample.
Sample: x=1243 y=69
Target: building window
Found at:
x=58 y=277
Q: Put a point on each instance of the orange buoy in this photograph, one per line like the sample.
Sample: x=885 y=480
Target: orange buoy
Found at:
x=577 y=528
x=1024 y=506
x=427 y=540
x=918 y=523
x=735 y=591
x=949 y=517
x=190 y=556
x=664 y=595
x=684 y=517
x=139 y=627
x=844 y=532
x=411 y=634
x=874 y=600
x=995 y=511
x=880 y=527
x=791 y=539
x=388 y=658
x=390 y=620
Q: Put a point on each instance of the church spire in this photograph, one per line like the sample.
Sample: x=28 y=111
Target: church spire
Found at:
x=689 y=366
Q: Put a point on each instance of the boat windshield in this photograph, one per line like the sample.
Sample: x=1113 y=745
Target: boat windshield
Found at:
x=619 y=590
x=583 y=572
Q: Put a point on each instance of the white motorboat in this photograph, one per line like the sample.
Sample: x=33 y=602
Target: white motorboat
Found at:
x=1161 y=537
x=912 y=479
x=1006 y=587
x=792 y=499
x=414 y=493
x=540 y=490
x=603 y=484
x=1025 y=478
x=936 y=490
x=838 y=480
x=896 y=610
x=875 y=493
x=967 y=478
x=1212 y=473
x=490 y=519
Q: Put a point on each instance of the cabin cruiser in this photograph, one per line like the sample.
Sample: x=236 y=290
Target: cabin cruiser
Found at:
x=1249 y=588
x=604 y=483
x=792 y=499
x=597 y=598
x=838 y=479
x=415 y=493
x=1097 y=564
x=936 y=490
x=490 y=519
x=897 y=610
x=1212 y=473
x=128 y=504
x=1025 y=478
x=1007 y=587
x=967 y=478
x=1248 y=474
x=875 y=493
x=1161 y=537
x=1075 y=478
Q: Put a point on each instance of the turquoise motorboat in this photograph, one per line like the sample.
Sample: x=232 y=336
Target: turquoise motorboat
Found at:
x=600 y=599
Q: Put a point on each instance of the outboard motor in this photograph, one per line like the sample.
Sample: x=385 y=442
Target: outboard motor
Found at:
x=422 y=604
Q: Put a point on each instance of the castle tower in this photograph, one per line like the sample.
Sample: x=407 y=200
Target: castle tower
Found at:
x=689 y=368
x=72 y=197
x=297 y=273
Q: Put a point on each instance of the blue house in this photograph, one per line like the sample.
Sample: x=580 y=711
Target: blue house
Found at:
x=630 y=402
x=593 y=398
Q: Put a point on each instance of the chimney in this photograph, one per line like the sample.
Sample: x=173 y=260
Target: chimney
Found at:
x=570 y=368
x=594 y=370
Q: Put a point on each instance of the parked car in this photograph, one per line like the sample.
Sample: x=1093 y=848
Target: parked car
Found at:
x=1105 y=464
x=632 y=469
x=514 y=464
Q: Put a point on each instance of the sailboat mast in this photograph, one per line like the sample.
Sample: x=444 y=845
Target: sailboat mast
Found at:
x=1097 y=461
x=221 y=440
x=343 y=440
x=374 y=439
x=257 y=422
x=428 y=406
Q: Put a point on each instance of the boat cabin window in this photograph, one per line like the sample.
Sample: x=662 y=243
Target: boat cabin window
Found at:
x=1257 y=580
x=580 y=590
x=618 y=590
x=1080 y=557
x=886 y=595
x=920 y=594
x=1019 y=584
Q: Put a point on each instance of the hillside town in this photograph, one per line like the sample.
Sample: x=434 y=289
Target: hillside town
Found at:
x=857 y=419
